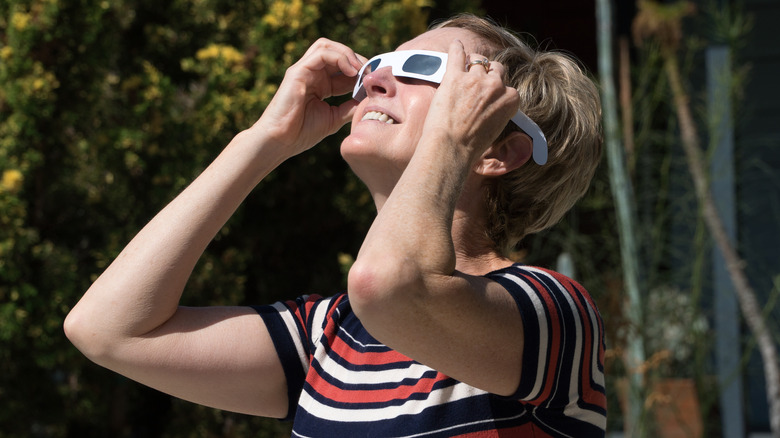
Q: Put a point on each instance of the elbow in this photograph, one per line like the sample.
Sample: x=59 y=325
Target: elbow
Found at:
x=75 y=329
x=378 y=288
x=82 y=333
x=360 y=287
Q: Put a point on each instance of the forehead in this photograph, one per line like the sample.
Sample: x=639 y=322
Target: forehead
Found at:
x=439 y=40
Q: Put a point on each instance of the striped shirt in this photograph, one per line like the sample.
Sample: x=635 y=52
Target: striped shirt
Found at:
x=344 y=383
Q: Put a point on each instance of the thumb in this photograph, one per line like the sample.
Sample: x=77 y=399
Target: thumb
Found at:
x=342 y=114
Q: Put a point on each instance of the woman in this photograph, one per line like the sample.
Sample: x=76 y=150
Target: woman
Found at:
x=439 y=333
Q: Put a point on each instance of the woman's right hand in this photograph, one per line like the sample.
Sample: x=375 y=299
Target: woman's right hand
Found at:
x=298 y=116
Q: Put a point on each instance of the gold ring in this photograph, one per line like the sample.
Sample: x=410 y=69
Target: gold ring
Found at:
x=484 y=62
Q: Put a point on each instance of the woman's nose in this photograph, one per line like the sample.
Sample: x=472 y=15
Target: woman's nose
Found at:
x=380 y=82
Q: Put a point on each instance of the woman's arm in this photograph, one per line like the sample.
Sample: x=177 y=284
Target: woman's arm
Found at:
x=130 y=320
x=407 y=284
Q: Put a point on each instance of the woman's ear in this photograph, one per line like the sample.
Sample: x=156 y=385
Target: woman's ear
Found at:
x=506 y=155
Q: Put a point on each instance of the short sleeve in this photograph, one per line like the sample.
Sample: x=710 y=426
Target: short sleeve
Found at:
x=563 y=350
x=294 y=327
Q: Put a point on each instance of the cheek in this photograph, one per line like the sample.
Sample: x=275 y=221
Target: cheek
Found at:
x=416 y=118
x=417 y=106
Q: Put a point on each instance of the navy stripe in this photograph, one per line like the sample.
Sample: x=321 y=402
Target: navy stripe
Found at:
x=368 y=386
x=595 y=346
x=531 y=333
x=346 y=387
x=344 y=362
x=568 y=333
x=445 y=418
x=439 y=421
x=543 y=323
x=288 y=355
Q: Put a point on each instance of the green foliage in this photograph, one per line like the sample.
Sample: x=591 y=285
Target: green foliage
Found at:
x=107 y=110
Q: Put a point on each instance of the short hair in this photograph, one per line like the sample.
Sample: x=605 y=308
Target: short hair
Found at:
x=557 y=94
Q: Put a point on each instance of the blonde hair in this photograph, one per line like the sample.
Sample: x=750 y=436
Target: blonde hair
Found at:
x=557 y=94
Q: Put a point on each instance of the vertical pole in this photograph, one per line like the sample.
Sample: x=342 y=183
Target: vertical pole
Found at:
x=622 y=193
x=727 y=338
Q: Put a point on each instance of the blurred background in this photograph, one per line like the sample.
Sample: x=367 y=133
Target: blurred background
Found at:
x=109 y=108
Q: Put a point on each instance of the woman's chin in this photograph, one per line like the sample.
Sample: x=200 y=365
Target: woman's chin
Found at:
x=376 y=171
x=358 y=152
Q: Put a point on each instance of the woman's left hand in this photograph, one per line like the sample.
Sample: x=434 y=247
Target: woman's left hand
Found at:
x=472 y=105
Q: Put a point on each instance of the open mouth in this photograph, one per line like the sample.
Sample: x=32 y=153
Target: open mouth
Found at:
x=378 y=116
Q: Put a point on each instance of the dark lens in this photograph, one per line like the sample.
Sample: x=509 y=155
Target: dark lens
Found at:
x=422 y=64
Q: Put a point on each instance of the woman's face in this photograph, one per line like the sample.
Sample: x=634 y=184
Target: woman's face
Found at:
x=378 y=151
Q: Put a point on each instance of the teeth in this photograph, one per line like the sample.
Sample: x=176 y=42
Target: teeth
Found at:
x=376 y=115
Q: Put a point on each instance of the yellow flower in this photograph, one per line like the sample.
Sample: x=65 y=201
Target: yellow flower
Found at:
x=20 y=20
x=12 y=180
x=296 y=7
x=231 y=54
x=209 y=52
x=423 y=3
x=6 y=52
x=276 y=13
x=152 y=93
x=220 y=51
x=291 y=13
x=227 y=102
x=152 y=73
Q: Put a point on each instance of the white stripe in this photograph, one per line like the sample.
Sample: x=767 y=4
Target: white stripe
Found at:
x=351 y=414
x=564 y=338
x=347 y=376
x=544 y=336
x=489 y=420
x=342 y=374
x=588 y=415
x=290 y=323
x=318 y=320
x=574 y=377
x=349 y=335
x=598 y=375
x=572 y=409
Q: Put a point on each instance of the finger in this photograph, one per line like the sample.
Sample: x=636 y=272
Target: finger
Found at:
x=333 y=57
x=345 y=111
x=497 y=68
x=477 y=62
x=342 y=84
x=350 y=63
x=456 y=57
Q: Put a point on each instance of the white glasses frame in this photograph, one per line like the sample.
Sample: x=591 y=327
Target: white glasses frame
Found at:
x=434 y=72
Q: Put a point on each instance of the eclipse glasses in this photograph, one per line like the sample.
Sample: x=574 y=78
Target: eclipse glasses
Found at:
x=430 y=66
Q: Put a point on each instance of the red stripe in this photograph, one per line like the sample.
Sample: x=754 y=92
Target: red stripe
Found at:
x=345 y=351
x=307 y=307
x=330 y=328
x=339 y=395
x=555 y=343
x=526 y=430
x=590 y=394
